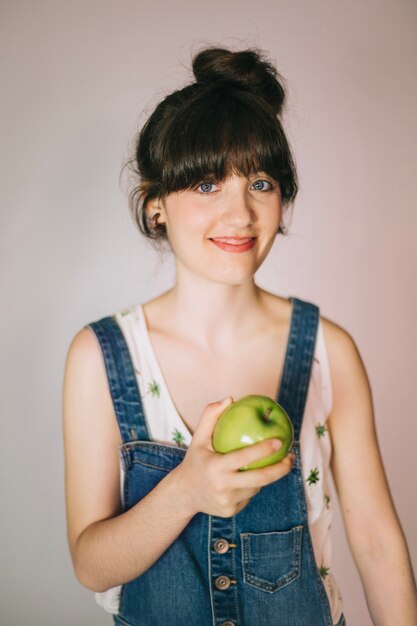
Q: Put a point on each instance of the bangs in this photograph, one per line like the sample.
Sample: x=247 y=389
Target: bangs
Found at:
x=226 y=131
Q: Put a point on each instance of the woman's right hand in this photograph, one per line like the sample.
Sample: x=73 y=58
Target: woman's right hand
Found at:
x=212 y=482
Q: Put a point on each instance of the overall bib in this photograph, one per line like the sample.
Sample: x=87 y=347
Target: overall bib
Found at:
x=256 y=568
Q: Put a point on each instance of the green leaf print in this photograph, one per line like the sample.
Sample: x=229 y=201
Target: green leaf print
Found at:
x=321 y=430
x=324 y=571
x=154 y=388
x=178 y=437
x=327 y=500
x=313 y=476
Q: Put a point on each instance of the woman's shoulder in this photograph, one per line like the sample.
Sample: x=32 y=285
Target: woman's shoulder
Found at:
x=84 y=360
x=341 y=349
x=85 y=386
x=281 y=308
x=340 y=344
x=348 y=375
x=336 y=337
x=84 y=353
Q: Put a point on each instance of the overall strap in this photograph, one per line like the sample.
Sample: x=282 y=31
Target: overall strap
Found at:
x=122 y=379
x=298 y=361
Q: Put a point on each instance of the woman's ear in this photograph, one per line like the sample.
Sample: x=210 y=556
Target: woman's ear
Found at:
x=155 y=211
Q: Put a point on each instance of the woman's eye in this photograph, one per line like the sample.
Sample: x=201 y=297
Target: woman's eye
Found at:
x=205 y=187
x=259 y=185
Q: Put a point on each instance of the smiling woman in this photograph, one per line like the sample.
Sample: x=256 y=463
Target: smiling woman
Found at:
x=235 y=216
x=227 y=121
x=160 y=525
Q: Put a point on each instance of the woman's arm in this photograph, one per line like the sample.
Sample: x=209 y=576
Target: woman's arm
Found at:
x=108 y=547
x=373 y=529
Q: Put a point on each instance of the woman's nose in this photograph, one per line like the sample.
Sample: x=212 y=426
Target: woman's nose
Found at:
x=237 y=209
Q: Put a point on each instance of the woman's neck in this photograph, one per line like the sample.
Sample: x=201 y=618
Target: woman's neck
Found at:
x=214 y=316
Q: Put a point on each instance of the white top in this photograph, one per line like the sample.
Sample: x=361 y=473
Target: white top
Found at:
x=166 y=426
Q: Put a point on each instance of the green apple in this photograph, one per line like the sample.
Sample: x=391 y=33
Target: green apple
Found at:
x=249 y=420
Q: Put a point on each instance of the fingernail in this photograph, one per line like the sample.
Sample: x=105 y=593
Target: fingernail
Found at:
x=276 y=443
x=225 y=400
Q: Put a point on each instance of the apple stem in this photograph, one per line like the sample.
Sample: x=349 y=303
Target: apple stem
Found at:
x=267 y=414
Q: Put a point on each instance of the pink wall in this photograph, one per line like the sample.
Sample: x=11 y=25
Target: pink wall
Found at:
x=75 y=78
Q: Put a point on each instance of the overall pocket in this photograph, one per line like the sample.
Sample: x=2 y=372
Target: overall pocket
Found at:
x=271 y=560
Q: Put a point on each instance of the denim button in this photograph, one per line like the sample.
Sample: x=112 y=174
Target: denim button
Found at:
x=223 y=582
x=221 y=546
x=228 y=623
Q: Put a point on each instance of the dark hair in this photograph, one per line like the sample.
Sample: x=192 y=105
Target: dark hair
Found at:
x=226 y=121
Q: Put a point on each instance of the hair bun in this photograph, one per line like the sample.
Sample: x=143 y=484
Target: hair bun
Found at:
x=248 y=69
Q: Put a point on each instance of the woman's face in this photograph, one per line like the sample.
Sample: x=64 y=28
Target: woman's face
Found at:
x=238 y=207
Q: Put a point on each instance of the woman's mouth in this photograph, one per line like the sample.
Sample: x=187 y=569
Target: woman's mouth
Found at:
x=234 y=244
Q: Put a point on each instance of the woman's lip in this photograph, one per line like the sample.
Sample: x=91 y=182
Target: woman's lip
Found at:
x=232 y=240
x=241 y=245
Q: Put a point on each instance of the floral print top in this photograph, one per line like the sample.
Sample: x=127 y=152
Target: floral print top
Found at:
x=166 y=426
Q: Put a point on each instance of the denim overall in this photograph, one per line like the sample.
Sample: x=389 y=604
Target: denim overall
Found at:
x=256 y=568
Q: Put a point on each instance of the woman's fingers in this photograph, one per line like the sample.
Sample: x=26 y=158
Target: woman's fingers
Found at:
x=264 y=475
x=239 y=458
x=208 y=420
x=256 y=478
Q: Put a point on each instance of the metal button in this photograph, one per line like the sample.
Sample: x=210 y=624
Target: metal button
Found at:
x=221 y=546
x=223 y=582
x=228 y=623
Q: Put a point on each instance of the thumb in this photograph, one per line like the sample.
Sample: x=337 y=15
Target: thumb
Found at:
x=209 y=419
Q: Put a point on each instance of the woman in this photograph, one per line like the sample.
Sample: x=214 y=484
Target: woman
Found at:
x=163 y=528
